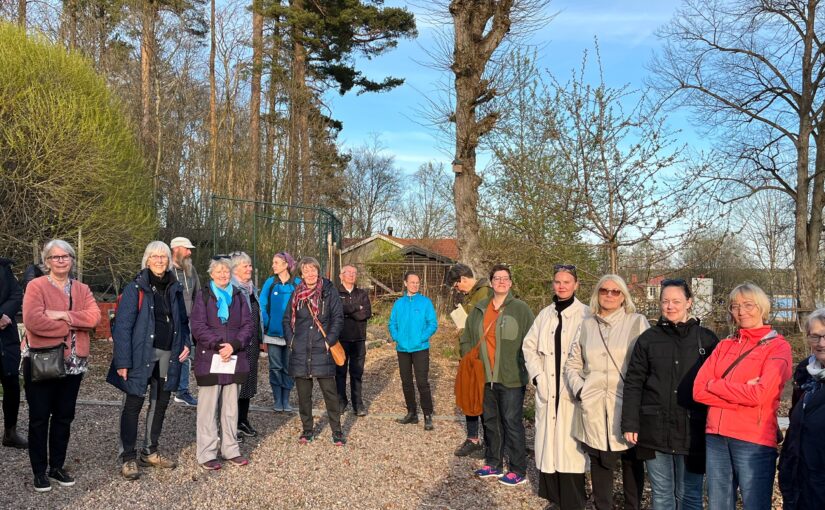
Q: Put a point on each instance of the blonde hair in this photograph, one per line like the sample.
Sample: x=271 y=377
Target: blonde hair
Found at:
x=628 y=305
x=749 y=290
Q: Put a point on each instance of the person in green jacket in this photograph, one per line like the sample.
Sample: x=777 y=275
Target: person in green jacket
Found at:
x=460 y=277
x=499 y=324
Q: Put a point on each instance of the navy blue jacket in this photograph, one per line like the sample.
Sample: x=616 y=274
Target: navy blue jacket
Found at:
x=11 y=299
x=308 y=353
x=133 y=337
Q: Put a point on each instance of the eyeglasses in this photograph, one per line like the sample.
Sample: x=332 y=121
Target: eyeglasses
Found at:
x=501 y=279
x=60 y=258
x=747 y=307
x=815 y=339
x=158 y=257
x=612 y=292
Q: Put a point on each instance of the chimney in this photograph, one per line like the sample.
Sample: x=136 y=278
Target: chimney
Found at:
x=389 y=231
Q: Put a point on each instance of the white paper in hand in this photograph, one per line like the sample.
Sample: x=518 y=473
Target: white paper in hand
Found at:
x=459 y=317
x=223 y=367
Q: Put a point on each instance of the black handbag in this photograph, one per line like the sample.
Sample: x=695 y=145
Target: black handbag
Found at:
x=47 y=363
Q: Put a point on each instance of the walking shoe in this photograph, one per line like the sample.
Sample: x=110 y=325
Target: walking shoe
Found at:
x=13 y=439
x=211 y=465
x=338 y=439
x=468 y=447
x=246 y=429
x=42 y=483
x=239 y=461
x=61 y=477
x=512 y=479
x=186 y=399
x=306 y=437
x=156 y=460
x=361 y=412
x=130 y=470
x=428 y=422
x=411 y=417
x=479 y=453
x=488 y=472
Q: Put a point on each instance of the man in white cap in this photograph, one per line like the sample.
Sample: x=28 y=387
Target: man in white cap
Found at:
x=188 y=278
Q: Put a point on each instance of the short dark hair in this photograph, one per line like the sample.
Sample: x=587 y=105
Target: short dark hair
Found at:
x=456 y=272
x=500 y=267
x=678 y=282
x=411 y=272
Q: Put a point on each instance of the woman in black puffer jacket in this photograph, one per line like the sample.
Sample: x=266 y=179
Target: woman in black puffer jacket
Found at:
x=659 y=414
x=314 y=302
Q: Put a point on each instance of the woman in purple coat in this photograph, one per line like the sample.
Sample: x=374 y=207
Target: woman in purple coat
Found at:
x=222 y=327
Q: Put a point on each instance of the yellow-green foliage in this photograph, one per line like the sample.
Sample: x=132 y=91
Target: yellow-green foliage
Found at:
x=68 y=156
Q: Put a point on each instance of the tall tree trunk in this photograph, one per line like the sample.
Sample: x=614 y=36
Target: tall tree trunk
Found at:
x=255 y=99
x=22 y=5
x=148 y=50
x=298 y=117
x=213 y=104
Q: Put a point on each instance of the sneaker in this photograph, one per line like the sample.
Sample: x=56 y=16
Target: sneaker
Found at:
x=488 y=472
x=239 y=461
x=211 y=465
x=246 y=429
x=467 y=448
x=338 y=439
x=512 y=479
x=156 y=460
x=130 y=470
x=61 y=477
x=186 y=399
x=42 y=483
x=306 y=437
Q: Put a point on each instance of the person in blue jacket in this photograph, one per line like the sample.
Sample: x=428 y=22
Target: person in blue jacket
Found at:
x=151 y=341
x=274 y=298
x=412 y=323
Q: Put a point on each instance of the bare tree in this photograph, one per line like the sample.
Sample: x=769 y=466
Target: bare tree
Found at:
x=751 y=71
x=426 y=210
x=373 y=188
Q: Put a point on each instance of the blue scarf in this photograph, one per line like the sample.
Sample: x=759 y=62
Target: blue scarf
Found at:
x=224 y=297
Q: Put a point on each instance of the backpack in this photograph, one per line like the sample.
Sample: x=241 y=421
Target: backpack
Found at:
x=113 y=311
x=469 y=383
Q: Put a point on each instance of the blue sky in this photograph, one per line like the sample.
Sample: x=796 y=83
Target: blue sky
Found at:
x=626 y=33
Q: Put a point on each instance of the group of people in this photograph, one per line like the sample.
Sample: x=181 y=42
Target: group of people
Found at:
x=670 y=399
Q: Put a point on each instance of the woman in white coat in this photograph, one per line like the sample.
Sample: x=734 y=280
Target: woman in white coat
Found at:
x=559 y=457
x=594 y=372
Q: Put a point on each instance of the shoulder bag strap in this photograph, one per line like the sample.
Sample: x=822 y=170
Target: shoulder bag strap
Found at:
x=599 y=327
x=741 y=357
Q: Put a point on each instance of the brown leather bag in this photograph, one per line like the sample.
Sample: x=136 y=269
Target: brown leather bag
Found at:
x=337 y=350
x=469 y=383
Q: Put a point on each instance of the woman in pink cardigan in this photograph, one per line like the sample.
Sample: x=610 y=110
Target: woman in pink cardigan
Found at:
x=56 y=309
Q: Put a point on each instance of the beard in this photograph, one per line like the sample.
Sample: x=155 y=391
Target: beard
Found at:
x=185 y=263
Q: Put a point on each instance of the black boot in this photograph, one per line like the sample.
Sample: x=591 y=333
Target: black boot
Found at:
x=13 y=439
x=428 y=422
x=411 y=417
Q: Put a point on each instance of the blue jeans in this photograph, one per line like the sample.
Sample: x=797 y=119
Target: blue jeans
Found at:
x=673 y=486
x=279 y=367
x=504 y=428
x=733 y=463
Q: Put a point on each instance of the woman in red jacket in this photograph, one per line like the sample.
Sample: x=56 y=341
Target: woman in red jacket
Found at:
x=741 y=383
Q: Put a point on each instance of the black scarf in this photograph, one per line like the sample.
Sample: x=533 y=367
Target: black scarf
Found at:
x=561 y=305
x=164 y=329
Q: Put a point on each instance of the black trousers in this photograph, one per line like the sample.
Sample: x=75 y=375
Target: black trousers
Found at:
x=418 y=362
x=304 y=388
x=11 y=399
x=564 y=489
x=132 y=405
x=356 y=356
x=602 y=465
x=51 y=412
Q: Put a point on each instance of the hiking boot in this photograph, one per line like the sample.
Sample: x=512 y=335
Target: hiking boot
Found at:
x=512 y=479
x=338 y=439
x=42 y=483
x=487 y=471
x=306 y=437
x=361 y=412
x=246 y=429
x=411 y=417
x=186 y=399
x=428 y=422
x=61 y=477
x=156 y=460
x=239 y=461
x=211 y=465
x=130 y=470
x=12 y=439
x=468 y=447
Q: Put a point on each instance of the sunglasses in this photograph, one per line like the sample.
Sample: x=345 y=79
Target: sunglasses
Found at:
x=565 y=267
x=612 y=292
x=674 y=282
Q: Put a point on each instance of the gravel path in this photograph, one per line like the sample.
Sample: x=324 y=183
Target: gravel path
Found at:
x=384 y=465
